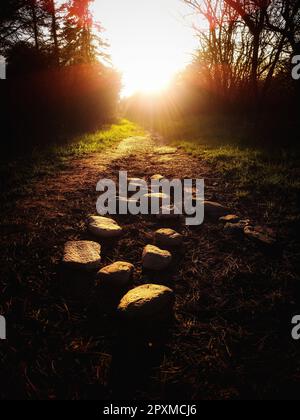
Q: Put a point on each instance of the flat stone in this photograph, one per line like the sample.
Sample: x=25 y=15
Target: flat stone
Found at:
x=168 y=238
x=104 y=227
x=260 y=234
x=149 y=301
x=215 y=210
x=155 y=258
x=166 y=150
x=117 y=274
x=82 y=255
x=157 y=177
x=230 y=218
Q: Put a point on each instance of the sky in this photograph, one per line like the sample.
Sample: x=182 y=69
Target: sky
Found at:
x=150 y=40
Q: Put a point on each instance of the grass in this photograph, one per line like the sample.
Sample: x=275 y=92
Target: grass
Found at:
x=267 y=174
x=16 y=175
x=234 y=300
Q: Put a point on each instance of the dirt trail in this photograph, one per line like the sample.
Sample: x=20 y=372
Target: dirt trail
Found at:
x=140 y=156
x=228 y=294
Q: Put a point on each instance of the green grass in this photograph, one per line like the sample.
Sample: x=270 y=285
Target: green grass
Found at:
x=268 y=174
x=99 y=141
x=16 y=175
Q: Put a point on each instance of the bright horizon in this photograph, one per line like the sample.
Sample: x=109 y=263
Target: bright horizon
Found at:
x=150 y=40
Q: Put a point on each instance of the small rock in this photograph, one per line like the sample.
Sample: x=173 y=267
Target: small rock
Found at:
x=157 y=177
x=166 y=150
x=260 y=234
x=83 y=255
x=103 y=227
x=149 y=301
x=116 y=274
x=231 y=218
x=215 y=210
x=168 y=238
x=155 y=258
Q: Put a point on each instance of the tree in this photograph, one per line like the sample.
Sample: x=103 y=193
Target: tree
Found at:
x=52 y=10
x=81 y=43
x=21 y=20
x=249 y=39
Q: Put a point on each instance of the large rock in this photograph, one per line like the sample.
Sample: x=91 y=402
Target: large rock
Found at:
x=155 y=258
x=117 y=274
x=104 y=227
x=168 y=238
x=149 y=301
x=83 y=255
x=215 y=210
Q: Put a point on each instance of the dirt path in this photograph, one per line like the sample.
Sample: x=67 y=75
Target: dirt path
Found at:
x=228 y=292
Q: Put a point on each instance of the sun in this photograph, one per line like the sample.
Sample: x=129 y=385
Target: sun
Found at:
x=146 y=78
x=148 y=41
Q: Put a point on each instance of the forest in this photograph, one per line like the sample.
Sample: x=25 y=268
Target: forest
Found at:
x=58 y=68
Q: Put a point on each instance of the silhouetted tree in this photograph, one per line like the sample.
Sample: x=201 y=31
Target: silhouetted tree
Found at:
x=247 y=42
x=81 y=34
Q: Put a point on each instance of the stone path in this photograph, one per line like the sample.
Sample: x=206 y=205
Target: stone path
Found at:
x=148 y=299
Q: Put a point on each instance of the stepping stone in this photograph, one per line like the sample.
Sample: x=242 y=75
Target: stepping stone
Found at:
x=155 y=258
x=149 y=301
x=157 y=177
x=231 y=218
x=82 y=255
x=168 y=238
x=215 y=210
x=117 y=274
x=103 y=227
x=260 y=234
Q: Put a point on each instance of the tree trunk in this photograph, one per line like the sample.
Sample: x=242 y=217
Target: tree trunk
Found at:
x=54 y=32
x=35 y=24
